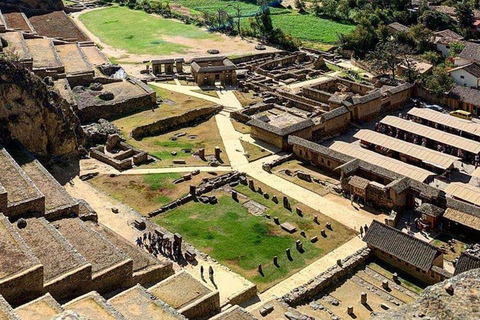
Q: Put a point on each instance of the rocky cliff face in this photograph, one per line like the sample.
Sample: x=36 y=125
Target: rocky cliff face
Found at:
x=452 y=299
x=35 y=114
x=35 y=5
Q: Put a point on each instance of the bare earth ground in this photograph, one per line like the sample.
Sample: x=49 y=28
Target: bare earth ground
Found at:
x=132 y=63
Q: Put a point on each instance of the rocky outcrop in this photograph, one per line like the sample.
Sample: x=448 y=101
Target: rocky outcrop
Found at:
x=35 y=114
x=33 y=5
x=453 y=299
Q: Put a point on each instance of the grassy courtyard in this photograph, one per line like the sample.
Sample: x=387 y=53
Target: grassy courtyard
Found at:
x=220 y=229
x=138 y=32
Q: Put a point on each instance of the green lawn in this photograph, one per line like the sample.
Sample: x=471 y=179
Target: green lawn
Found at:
x=240 y=240
x=138 y=32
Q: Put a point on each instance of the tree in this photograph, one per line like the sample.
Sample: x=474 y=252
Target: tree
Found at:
x=264 y=23
x=456 y=48
x=422 y=36
x=435 y=20
x=362 y=39
x=465 y=16
x=439 y=81
x=388 y=55
x=238 y=9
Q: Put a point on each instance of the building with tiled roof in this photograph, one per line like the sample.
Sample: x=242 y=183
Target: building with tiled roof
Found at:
x=467 y=75
x=466 y=262
x=405 y=252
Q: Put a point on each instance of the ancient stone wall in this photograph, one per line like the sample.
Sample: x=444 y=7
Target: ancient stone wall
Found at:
x=3 y=199
x=428 y=277
x=174 y=122
x=327 y=279
x=114 y=109
x=337 y=125
x=315 y=94
x=151 y=275
x=27 y=206
x=244 y=295
x=208 y=305
x=72 y=284
x=115 y=277
x=117 y=164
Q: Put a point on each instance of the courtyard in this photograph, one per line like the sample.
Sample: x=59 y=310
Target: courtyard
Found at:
x=219 y=229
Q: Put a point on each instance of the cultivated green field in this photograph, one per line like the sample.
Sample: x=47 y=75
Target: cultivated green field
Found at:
x=212 y=6
x=138 y=32
x=241 y=240
x=311 y=28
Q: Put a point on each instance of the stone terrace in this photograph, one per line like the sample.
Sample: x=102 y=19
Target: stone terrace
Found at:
x=110 y=266
x=146 y=269
x=17 y=20
x=42 y=308
x=16 y=44
x=94 y=56
x=56 y=254
x=58 y=25
x=6 y=311
x=21 y=191
x=19 y=268
x=93 y=306
x=137 y=303
x=45 y=56
x=57 y=200
x=187 y=302
x=73 y=59
x=234 y=313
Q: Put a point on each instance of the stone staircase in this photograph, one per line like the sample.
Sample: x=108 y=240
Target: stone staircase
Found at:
x=132 y=304
x=50 y=57
x=48 y=248
x=51 y=258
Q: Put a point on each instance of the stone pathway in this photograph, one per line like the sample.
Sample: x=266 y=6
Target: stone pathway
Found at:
x=342 y=214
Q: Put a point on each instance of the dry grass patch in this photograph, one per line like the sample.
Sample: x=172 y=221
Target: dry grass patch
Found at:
x=254 y=152
x=247 y=98
x=145 y=193
x=206 y=135
x=315 y=172
x=240 y=127
x=174 y=103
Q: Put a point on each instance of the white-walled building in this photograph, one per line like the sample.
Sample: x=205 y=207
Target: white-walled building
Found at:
x=443 y=40
x=467 y=75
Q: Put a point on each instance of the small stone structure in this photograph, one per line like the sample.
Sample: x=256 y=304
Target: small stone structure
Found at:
x=208 y=71
x=119 y=154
